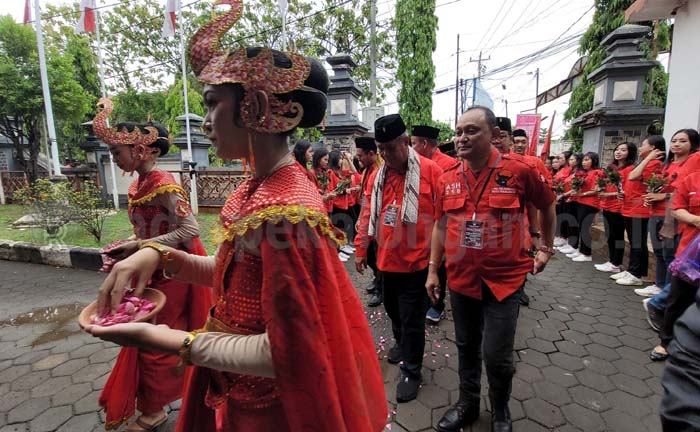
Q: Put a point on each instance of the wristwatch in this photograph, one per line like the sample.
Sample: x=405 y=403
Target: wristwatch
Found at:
x=548 y=250
x=186 y=347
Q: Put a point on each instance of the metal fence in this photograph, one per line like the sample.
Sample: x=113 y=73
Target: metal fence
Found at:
x=213 y=186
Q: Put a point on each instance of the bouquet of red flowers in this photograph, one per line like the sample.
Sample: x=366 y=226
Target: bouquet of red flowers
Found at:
x=342 y=185
x=610 y=176
x=578 y=181
x=656 y=182
x=559 y=188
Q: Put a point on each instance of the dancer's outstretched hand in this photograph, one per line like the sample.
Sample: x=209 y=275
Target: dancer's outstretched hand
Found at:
x=141 y=335
x=132 y=272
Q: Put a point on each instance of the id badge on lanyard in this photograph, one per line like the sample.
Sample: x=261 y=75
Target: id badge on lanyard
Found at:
x=391 y=215
x=473 y=234
x=473 y=237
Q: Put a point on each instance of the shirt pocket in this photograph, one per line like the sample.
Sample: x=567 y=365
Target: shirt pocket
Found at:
x=454 y=203
x=504 y=201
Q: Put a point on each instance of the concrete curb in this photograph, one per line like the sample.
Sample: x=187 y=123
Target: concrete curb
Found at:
x=56 y=255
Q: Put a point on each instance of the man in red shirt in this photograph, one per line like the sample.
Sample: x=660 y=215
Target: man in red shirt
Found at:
x=481 y=233
x=400 y=219
x=366 y=150
x=424 y=141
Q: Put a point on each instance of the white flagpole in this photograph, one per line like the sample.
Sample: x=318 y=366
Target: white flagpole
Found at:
x=283 y=11
x=194 y=203
x=47 y=93
x=103 y=90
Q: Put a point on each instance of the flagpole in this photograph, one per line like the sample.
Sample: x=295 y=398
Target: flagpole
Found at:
x=103 y=90
x=283 y=11
x=194 y=202
x=47 y=93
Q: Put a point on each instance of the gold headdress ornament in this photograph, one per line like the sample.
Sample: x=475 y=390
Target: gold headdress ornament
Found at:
x=214 y=66
x=115 y=137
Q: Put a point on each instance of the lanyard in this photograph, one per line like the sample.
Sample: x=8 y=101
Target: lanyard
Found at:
x=476 y=204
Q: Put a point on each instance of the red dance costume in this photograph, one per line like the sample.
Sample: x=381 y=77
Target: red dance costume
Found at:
x=150 y=377
x=277 y=271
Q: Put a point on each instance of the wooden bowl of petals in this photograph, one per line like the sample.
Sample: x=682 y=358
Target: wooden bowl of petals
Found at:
x=131 y=309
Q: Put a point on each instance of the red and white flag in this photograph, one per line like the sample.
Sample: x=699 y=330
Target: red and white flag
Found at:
x=27 y=12
x=86 y=23
x=170 y=23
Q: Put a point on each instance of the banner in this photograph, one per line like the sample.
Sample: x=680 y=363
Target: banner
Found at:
x=530 y=123
x=548 y=140
x=27 y=12
x=169 y=24
x=86 y=22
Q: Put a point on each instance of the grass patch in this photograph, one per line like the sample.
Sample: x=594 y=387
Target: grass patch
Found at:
x=116 y=227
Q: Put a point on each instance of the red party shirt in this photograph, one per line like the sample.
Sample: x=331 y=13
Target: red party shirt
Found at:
x=402 y=248
x=502 y=262
x=590 y=184
x=633 y=203
x=687 y=197
x=613 y=203
x=442 y=160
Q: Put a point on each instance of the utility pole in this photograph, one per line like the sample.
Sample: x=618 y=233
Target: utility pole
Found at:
x=537 y=86
x=506 y=102
x=476 y=80
x=373 y=53
x=457 y=84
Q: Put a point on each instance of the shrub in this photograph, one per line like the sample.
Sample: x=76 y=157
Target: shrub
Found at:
x=90 y=209
x=48 y=202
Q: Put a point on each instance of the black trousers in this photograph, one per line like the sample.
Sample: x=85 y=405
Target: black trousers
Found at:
x=372 y=263
x=406 y=303
x=344 y=220
x=564 y=219
x=573 y=231
x=485 y=327
x=442 y=277
x=681 y=382
x=664 y=250
x=615 y=231
x=584 y=216
x=681 y=295
x=637 y=231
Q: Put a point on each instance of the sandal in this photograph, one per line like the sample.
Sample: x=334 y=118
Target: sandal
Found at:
x=145 y=427
x=657 y=355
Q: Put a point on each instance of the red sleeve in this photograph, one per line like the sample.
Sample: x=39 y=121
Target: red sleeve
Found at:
x=537 y=190
x=362 y=239
x=681 y=198
x=435 y=184
x=653 y=167
x=323 y=353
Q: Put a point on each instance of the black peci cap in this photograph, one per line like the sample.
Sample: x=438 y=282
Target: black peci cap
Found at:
x=366 y=143
x=425 y=132
x=519 y=133
x=504 y=124
x=388 y=128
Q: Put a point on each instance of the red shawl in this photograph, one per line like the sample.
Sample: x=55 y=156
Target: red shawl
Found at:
x=324 y=357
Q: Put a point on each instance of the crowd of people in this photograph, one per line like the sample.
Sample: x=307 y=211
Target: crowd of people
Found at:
x=271 y=330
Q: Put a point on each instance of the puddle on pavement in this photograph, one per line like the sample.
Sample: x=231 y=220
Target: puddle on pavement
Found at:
x=58 y=315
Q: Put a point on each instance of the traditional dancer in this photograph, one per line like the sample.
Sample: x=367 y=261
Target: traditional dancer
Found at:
x=287 y=346
x=159 y=212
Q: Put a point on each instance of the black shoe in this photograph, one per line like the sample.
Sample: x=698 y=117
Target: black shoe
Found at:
x=375 y=299
x=655 y=317
x=407 y=388
x=461 y=414
x=394 y=355
x=500 y=420
x=524 y=299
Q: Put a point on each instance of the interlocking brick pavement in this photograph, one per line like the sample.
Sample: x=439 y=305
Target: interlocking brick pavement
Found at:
x=581 y=351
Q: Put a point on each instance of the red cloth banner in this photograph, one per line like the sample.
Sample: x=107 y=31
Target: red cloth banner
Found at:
x=530 y=123
x=548 y=141
x=86 y=22
x=27 y=12
x=170 y=22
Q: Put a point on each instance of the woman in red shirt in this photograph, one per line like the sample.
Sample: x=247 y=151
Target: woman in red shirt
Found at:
x=625 y=155
x=636 y=214
x=587 y=208
x=563 y=171
x=570 y=206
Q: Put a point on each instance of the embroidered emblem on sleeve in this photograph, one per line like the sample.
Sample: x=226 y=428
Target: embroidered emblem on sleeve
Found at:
x=182 y=208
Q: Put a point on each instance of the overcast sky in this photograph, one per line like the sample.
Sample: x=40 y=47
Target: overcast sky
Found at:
x=504 y=30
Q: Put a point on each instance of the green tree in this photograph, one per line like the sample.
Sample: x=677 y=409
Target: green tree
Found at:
x=447 y=132
x=416 y=28
x=175 y=103
x=21 y=97
x=609 y=15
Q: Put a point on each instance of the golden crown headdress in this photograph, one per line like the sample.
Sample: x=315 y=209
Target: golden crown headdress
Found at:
x=114 y=136
x=214 y=66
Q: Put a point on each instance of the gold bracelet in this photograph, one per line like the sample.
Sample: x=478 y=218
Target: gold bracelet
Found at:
x=186 y=347
x=165 y=255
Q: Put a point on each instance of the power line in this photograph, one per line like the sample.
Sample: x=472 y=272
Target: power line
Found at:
x=48 y=17
x=478 y=46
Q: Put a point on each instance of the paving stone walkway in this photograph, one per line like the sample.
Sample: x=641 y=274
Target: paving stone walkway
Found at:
x=581 y=350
